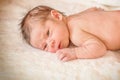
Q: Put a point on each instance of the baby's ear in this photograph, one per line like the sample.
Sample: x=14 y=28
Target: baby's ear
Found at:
x=56 y=14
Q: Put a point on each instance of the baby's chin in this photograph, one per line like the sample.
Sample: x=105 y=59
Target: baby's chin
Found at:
x=54 y=51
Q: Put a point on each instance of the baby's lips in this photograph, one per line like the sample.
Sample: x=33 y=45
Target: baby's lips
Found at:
x=54 y=49
x=59 y=46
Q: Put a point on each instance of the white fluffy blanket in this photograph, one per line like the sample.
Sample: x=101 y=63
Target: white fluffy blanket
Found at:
x=19 y=61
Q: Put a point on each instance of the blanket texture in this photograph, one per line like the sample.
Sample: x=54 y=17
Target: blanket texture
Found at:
x=19 y=61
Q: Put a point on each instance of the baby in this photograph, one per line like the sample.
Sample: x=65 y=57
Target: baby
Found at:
x=93 y=32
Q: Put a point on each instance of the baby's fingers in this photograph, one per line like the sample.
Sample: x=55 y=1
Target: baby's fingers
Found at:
x=61 y=56
x=65 y=59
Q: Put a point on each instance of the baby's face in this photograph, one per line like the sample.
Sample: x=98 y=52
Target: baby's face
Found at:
x=50 y=36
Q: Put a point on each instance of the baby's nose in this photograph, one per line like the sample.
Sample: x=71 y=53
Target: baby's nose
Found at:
x=50 y=42
x=51 y=45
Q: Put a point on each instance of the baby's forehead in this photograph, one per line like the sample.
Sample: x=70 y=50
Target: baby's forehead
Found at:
x=37 y=26
x=34 y=22
x=38 y=35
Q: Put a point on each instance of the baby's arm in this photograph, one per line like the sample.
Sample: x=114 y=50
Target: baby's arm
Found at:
x=92 y=48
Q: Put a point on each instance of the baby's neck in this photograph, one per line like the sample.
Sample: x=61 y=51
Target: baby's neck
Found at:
x=65 y=20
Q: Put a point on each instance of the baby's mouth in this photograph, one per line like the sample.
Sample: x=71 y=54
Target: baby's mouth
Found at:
x=59 y=46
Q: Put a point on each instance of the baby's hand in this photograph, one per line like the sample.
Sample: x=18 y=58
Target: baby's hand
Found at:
x=66 y=54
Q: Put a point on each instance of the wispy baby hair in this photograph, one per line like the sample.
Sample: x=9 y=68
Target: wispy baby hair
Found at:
x=40 y=13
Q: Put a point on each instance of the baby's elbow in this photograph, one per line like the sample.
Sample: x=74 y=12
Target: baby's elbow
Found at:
x=99 y=51
x=102 y=52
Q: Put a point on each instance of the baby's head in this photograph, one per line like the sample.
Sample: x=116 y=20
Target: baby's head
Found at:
x=45 y=28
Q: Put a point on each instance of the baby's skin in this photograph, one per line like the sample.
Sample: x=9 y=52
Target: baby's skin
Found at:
x=93 y=32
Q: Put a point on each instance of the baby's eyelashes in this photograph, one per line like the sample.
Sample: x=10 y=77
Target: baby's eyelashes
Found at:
x=48 y=33
x=45 y=47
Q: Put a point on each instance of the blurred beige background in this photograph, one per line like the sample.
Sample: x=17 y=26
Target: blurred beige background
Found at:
x=19 y=61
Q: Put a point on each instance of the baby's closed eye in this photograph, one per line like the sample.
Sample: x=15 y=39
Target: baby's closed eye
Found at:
x=46 y=47
x=66 y=54
x=48 y=33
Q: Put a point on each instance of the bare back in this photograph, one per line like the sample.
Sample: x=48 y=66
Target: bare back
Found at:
x=104 y=25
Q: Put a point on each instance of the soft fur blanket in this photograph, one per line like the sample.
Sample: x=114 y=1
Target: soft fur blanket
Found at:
x=19 y=61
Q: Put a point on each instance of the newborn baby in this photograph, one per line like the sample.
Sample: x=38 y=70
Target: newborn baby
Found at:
x=93 y=32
